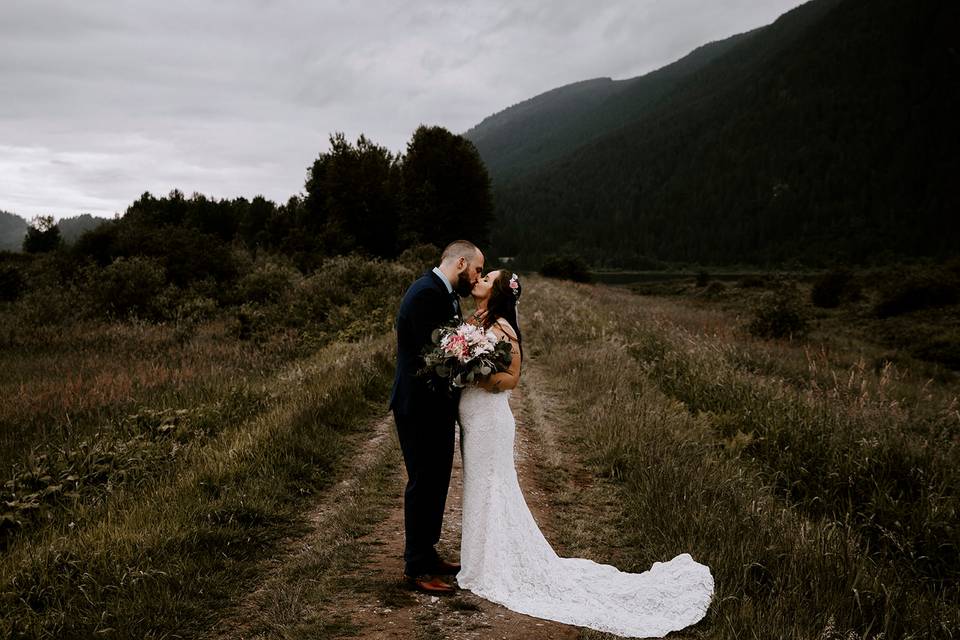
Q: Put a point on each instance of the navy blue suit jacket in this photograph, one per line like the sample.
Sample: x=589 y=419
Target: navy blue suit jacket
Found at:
x=426 y=305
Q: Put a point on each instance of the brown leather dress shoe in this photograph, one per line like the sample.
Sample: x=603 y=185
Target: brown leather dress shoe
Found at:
x=429 y=584
x=444 y=568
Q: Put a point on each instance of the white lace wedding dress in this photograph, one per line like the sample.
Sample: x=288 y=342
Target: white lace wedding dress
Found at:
x=506 y=559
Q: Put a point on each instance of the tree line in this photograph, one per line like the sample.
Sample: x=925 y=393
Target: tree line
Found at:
x=358 y=198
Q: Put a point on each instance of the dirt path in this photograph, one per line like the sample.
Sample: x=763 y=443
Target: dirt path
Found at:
x=403 y=614
x=270 y=606
x=343 y=578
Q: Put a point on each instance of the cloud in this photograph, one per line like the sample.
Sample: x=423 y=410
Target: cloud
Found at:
x=102 y=100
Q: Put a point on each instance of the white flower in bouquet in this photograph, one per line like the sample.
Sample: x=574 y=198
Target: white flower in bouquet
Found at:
x=461 y=354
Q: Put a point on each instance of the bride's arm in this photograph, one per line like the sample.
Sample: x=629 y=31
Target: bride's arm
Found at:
x=508 y=379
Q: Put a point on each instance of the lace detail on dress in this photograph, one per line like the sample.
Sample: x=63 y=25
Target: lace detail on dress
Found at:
x=506 y=559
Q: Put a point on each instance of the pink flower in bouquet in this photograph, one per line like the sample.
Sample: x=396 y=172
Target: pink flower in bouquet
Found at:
x=456 y=345
x=464 y=353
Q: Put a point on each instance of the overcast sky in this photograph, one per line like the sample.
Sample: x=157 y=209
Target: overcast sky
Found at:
x=103 y=100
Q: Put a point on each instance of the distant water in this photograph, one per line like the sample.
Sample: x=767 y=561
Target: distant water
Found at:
x=638 y=277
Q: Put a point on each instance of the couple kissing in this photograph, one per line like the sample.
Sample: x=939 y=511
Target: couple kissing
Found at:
x=505 y=557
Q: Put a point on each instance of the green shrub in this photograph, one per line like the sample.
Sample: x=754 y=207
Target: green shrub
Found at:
x=347 y=298
x=347 y=289
x=195 y=309
x=252 y=321
x=952 y=266
x=714 y=289
x=205 y=288
x=128 y=286
x=944 y=349
x=779 y=315
x=752 y=282
x=420 y=258
x=833 y=288
x=12 y=283
x=922 y=290
x=49 y=304
x=566 y=268
x=267 y=282
x=187 y=256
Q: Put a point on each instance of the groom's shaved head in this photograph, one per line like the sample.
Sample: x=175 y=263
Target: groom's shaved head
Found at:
x=462 y=263
x=459 y=249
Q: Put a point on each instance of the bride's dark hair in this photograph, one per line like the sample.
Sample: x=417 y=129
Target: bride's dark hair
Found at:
x=503 y=303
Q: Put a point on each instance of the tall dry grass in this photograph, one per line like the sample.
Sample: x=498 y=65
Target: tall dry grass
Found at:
x=62 y=386
x=824 y=502
x=148 y=463
x=160 y=560
x=92 y=404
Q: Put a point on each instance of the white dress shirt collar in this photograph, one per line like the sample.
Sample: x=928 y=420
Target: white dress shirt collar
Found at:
x=437 y=271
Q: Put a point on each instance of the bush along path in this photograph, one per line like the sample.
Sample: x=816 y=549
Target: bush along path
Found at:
x=165 y=559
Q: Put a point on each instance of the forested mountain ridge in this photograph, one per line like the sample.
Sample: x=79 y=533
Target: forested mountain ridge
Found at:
x=12 y=230
x=828 y=135
x=520 y=138
x=74 y=227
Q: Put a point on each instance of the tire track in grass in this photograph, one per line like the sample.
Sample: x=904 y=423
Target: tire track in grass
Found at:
x=289 y=600
x=165 y=561
x=343 y=577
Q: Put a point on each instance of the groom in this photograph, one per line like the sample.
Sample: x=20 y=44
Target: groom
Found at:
x=425 y=418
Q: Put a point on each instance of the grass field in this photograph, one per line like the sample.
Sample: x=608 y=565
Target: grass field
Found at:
x=164 y=553
x=149 y=465
x=152 y=470
x=821 y=491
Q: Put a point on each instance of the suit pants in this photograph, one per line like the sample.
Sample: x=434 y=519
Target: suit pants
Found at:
x=427 y=442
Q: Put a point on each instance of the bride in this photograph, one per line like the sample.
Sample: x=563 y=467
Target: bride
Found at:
x=504 y=556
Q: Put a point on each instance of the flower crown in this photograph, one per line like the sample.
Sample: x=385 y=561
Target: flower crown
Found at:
x=515 y=285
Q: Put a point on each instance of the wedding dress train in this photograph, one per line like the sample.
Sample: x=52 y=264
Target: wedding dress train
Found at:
x=506 y=559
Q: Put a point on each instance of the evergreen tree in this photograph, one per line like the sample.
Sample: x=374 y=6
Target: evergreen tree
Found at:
x=254 y=220
x=351 y=201
x=446 y=190
x=43 y=235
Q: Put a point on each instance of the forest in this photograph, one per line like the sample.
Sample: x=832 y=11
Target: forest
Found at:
x=825 y=137
x=358 y=199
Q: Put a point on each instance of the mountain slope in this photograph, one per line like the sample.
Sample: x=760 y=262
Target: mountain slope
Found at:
x=74 y=227
x=12 y=230
x=828 y=134
x=527 y=135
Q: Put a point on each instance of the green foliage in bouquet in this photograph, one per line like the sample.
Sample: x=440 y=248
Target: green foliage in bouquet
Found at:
x=462 y=354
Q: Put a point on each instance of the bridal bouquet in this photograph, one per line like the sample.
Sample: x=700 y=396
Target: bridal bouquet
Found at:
x=461 y=354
